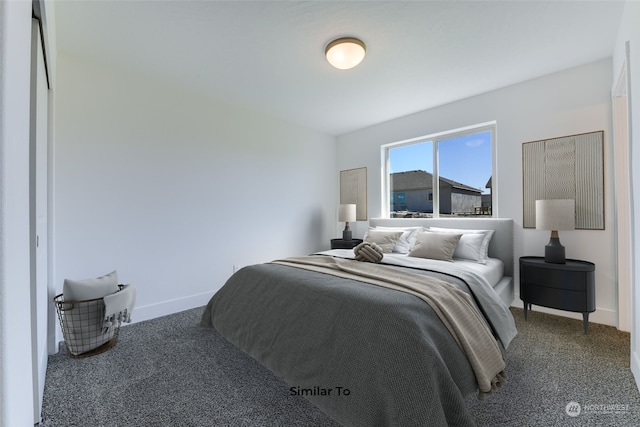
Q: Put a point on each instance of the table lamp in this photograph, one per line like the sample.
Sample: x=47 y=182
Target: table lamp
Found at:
x=554 y=215
x=347 y=214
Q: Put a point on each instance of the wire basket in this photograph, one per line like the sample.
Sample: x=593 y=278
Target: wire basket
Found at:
x=83 y=326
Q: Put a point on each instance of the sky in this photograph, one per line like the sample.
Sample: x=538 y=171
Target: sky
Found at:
x=465 y=159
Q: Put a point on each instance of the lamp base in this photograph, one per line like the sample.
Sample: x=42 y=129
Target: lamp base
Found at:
x=346 y=233
x=554 y=252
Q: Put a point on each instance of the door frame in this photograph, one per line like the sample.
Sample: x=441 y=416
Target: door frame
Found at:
x=622 y=192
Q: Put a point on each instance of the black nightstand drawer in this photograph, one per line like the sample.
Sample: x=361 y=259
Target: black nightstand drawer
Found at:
x=557 y=298
x=569 y=280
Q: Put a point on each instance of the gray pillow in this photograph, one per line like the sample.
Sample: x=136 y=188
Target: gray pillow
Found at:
x=81 y=290
x=385 y=239
x=406 y=240
x=481 y=254
x=439 y=246
x=470 y=247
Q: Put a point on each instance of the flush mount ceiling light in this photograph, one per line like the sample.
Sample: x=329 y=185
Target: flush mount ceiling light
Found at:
x=345 y=52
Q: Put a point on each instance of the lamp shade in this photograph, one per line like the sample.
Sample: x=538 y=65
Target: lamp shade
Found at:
x=347 y=213
x=345 y=53
x=557 y=214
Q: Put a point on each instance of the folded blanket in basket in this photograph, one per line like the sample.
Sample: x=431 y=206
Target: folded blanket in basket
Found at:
x=118 y=307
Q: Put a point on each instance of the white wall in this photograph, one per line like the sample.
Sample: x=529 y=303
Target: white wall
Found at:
x=628 y=32
x=570 y=102
x=173 y=189
x=16 y=386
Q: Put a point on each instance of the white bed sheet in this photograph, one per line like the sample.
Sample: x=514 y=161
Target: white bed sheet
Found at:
x=493 y=270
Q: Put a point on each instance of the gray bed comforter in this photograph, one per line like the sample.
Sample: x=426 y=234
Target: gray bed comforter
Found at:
x=364 y=354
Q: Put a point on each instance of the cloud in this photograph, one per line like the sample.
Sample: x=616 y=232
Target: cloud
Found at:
x=474 y=142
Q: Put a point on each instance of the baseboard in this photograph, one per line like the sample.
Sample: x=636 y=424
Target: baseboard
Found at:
x=602 y=316
x=151 y=311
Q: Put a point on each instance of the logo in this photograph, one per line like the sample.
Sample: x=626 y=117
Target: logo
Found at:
x=572 y=409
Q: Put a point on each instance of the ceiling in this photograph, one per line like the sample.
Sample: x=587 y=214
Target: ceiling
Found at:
x=269 y=55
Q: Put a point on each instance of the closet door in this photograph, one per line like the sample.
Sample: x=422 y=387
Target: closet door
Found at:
x=38 y=217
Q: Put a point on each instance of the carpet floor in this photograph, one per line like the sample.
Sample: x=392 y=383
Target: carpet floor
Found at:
x=170 y=372
x=559 y=376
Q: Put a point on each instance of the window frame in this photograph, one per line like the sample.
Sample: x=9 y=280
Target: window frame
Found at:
x=435 y=138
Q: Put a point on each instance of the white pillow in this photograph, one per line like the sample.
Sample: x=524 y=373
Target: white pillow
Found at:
x=432 y=245
x=470 y=249
x=81 y=290
x=406 y=241
x=385 y=239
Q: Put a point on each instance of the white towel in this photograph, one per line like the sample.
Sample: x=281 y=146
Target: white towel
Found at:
x=118 y=307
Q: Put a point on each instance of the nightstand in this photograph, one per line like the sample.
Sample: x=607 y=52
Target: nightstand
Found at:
x=345 y=244
x=569 y=286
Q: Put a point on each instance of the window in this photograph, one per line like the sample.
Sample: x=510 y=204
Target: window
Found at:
x=398 y=202
x=448 y=174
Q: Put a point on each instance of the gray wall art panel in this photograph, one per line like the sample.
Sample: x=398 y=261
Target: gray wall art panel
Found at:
x=353 y=189
x=568 y=167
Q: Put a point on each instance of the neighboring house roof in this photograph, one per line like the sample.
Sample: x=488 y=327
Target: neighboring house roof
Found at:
x=422 y=180
x=488 y=183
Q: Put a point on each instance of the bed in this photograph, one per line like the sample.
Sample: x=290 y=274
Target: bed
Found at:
x=368 y=343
